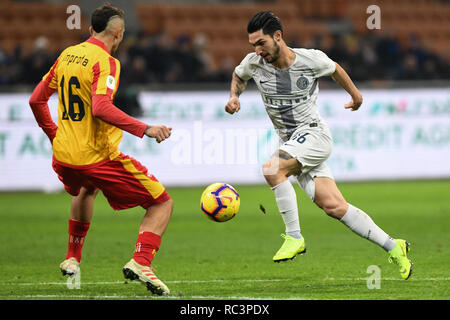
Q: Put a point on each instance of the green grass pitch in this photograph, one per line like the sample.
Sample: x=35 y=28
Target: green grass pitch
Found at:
x=201 y=259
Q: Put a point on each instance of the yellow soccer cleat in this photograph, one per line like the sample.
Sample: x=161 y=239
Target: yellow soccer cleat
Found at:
x=398 y=256
x=134 y=271
x=290 y=248
x=69 y=267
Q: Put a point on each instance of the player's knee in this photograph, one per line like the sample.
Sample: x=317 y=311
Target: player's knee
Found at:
x=272 y=173
x=163 y=208
x=269 y=167
x=88 y=192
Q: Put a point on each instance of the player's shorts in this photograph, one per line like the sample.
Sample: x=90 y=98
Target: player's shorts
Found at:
x=124 y=181
x=311 y=147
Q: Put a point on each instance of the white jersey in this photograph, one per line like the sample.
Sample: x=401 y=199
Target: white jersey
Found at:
x=289 y=95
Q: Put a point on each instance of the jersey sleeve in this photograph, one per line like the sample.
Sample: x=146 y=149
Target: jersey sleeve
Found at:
x=321 y=64
x=103 y=109
x=39 y=105
x=105 y=79
x=50 y=77
x=243 y=70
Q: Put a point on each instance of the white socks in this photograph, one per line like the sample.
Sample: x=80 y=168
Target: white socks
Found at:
x=357 y=220
x=287 y=205
x=360 y=223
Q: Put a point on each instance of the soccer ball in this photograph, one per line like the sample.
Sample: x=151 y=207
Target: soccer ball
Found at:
x=220 y=202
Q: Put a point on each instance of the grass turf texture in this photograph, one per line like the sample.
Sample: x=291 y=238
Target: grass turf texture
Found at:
x=202 y=259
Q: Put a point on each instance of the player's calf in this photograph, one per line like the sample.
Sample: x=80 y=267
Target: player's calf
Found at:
x=334 y=209
x=157 y=217
x=328 y=197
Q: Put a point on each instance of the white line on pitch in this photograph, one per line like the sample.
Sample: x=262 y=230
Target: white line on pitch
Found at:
x=55 y=296
x=133 y=282
x=217 y=281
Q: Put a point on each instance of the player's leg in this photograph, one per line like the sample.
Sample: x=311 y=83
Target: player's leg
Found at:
x=157 y=218
x=126 y=183
x=305 y=149
x=82 y=206
x=329 y=198
x=152 y=228
x=276 y=172
x=81 y=212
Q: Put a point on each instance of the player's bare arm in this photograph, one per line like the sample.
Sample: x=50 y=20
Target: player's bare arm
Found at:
x=341 y=77
x=238 y=86
x=160 y=133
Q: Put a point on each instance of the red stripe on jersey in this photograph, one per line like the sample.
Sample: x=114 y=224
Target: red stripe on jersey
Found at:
x=51 y=74
x=112 y=72
x=96 y=71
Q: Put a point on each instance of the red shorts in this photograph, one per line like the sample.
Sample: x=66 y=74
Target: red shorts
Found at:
x=124 y=181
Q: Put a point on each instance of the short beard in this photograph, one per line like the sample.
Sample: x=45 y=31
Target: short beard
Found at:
x=276 y=54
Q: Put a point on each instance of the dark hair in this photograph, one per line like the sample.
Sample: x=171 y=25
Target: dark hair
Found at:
x=265 y=20
x=101 y=16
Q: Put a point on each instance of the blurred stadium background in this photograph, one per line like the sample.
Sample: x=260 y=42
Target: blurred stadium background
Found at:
x=177 y=58
x=201 y=41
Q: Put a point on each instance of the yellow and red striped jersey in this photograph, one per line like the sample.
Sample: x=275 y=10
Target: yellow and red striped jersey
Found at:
x=81 y=72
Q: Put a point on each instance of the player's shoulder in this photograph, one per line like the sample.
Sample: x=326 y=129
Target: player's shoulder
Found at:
x=66 y=55
x=252 y=58
x=307 y=52
x=72 y=52
x=66 y=52
x=311 y=55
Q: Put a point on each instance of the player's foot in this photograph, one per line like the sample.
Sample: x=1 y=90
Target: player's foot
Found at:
x=134 y=271
x=290 y=248
x=398 y=256
x=69 y=266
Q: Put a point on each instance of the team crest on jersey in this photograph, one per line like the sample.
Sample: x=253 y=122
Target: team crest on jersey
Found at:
x=111 y=82
x=302 y=82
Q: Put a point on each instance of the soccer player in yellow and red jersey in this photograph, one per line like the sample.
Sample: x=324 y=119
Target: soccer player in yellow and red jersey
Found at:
x=85 y=143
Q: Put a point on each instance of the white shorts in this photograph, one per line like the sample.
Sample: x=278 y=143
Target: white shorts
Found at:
x=311 y=147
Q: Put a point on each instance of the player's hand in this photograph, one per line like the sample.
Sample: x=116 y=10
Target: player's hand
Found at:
x=355 y=103
x=233 y=105
x=160 y=133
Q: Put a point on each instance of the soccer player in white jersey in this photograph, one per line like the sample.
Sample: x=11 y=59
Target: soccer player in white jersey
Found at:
x=288 y=81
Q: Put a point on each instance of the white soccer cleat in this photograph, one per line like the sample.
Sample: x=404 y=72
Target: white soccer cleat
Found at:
x=70 y=266
x=134 y=271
